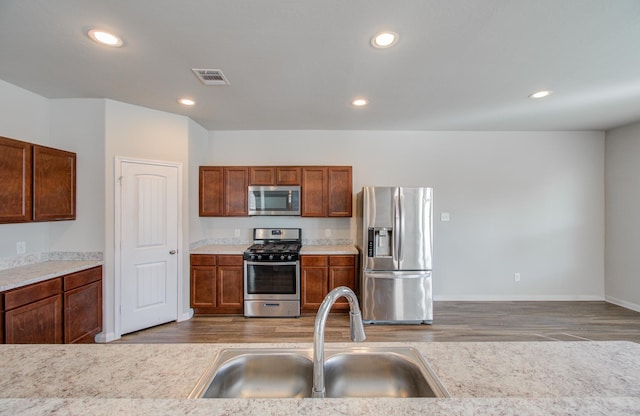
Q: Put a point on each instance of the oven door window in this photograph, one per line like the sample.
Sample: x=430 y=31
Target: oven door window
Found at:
x=271 y=279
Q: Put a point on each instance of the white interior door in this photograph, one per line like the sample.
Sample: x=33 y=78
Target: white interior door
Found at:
x=148 y=245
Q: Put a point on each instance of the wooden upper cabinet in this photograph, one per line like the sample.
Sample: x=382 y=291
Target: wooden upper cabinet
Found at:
x=314 y=191
x=15 y=180
x=211 y=191
x=274 y=175
x=340 y=191
x=325 y=191
x=288 y=175
x=262 y=175
x=236 y=181
x=54 y=184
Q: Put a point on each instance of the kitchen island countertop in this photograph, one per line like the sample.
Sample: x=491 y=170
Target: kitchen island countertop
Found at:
x=483 y=378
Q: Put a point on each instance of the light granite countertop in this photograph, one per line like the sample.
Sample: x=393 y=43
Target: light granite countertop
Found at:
x=544 y=378
x=37 y=272
x=306 y=249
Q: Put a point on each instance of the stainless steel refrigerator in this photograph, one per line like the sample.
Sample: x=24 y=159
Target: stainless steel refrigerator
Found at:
x=395 y=227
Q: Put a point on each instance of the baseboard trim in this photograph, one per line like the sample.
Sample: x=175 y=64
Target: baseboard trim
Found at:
x=186 y=315
x=623 y=303
x=105 y=337
x=515 y=298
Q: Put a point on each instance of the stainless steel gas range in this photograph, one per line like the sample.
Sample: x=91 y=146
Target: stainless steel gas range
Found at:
x=272 y=273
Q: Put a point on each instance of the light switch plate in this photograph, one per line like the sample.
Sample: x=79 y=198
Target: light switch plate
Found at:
x=444 y=216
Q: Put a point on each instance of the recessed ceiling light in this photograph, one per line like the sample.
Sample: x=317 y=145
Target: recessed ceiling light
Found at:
x=186 y=101
x=359 y=102
x=105 y=38
x=540 y=94
x=384 y=40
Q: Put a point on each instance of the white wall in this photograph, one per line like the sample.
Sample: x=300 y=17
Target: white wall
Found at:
x=198 y=151
x=23 y=116
x=138 y=132
x=77 y=125
x=622 y=184
x=526 y=202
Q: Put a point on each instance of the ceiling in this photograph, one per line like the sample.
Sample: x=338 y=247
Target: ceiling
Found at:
x=297 y=64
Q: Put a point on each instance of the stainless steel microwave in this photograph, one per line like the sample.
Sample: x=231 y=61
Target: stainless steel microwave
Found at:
x=274 y=200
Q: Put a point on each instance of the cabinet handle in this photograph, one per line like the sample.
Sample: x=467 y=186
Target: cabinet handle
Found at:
x=172 y=252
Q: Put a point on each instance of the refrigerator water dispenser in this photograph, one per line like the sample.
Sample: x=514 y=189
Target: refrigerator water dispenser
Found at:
x=380 y=242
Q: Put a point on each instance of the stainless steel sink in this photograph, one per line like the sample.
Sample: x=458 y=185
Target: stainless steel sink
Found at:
x=349 y=372
x=258 y=374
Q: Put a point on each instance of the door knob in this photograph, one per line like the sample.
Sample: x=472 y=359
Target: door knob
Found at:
x=172 y=252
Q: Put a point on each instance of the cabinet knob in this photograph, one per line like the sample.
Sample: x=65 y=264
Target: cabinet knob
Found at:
x=172 y=252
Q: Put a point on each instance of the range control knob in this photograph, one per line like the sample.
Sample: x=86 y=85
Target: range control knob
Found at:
x=259 y=256
x=282 y=257
x=270 y=256
x=289 y=257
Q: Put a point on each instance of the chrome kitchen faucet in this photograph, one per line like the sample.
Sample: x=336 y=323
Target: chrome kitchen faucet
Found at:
x=355 y=326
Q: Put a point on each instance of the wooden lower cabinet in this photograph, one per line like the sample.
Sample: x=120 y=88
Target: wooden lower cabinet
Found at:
x=82 y=306
x=33 y=313
x=66 y=309
x=320 y=274
x=216 y=284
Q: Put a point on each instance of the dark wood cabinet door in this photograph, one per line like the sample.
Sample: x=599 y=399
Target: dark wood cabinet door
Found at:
x=83 y=313
x=82 y=305
x=314 y=191
x=236 y=181
x=230 y=289
x=262 y=175
x=203 y=286
x=54 y=184
x=211 y=194
x=340 y=191
x=313 y=284
x=314 y=278
x=288 y=175
x=15 y=181
x=342 y=275
x=35 y=323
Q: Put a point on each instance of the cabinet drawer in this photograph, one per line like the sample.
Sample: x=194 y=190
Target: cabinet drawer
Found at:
x=28 y=294
x=74 y=280
x=203 y=260
x=229 y=260
x=314 y=261
x=342 y=260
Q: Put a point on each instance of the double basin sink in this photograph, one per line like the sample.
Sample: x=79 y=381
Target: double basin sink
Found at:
x=394 y=372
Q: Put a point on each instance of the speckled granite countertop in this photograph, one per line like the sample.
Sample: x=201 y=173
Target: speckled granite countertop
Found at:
x=544 y=378
x=32 y=273
x=306 y=249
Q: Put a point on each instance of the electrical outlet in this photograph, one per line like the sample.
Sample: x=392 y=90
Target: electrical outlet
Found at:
x=327 y=232
x=444 y=216
x=516 y=277
x=21 y=247
x=236 y=232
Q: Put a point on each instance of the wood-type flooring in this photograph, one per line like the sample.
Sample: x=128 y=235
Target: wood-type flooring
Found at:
x=453 y=322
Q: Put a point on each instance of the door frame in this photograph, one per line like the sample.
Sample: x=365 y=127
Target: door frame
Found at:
x=119 y=160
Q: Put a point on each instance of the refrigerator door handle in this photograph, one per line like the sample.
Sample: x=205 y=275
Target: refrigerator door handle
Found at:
x=397 y=229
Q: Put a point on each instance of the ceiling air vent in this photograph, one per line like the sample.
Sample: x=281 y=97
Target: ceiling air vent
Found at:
x=210 y=76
